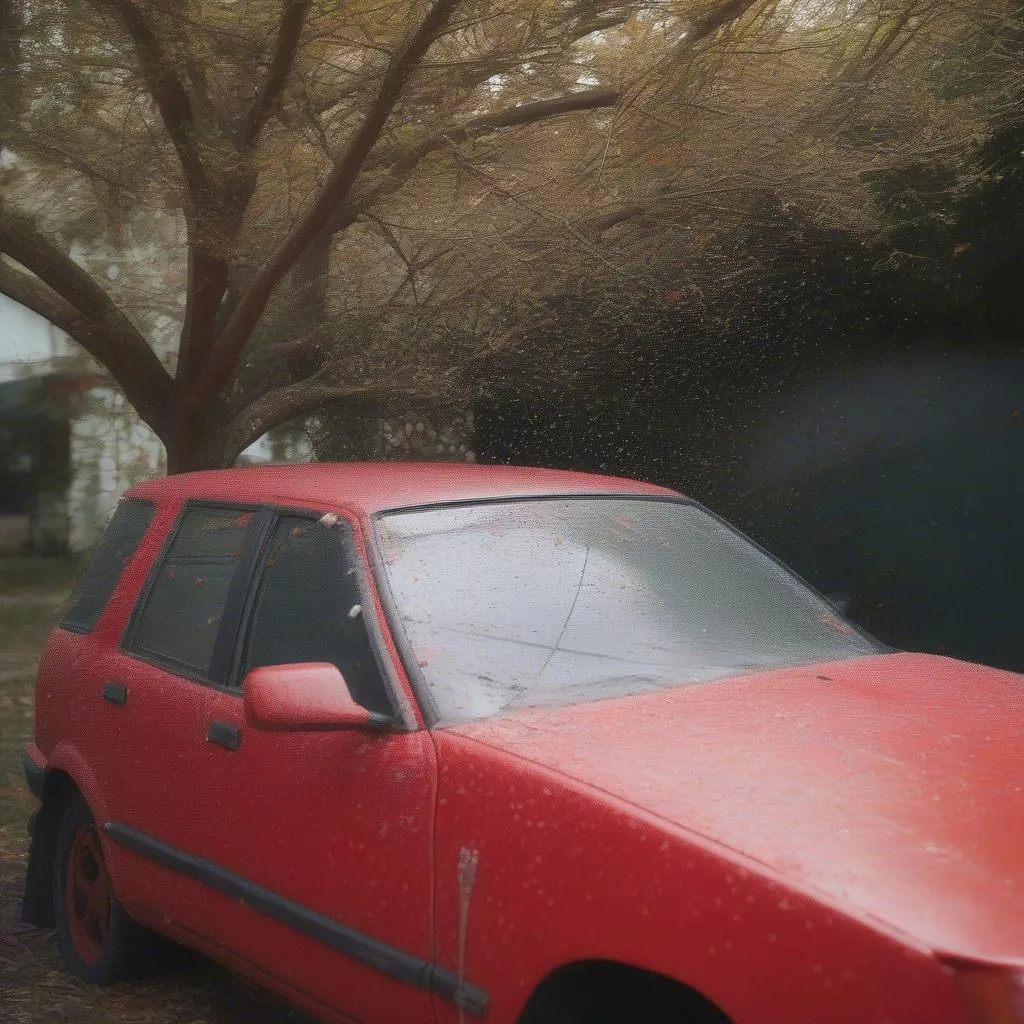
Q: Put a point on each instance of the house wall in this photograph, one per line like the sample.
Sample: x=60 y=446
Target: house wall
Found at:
x=111 y=449
x=26 y=340
x=106 y=447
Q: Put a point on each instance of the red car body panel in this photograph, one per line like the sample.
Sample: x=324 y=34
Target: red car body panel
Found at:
x=798 y=845
x=566 y=873
x=373 y=487
x=337 y=821
x=115 y=755
x=893 y=786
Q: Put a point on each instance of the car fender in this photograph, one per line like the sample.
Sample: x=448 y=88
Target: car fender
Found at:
x=535 y=870
x=67 y=758
x=37 y=903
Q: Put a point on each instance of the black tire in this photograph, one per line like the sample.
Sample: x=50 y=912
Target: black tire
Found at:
x=597 y=992
x=98 y=941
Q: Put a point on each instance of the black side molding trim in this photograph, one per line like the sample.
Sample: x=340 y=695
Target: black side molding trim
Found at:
x=446 y=984
x=116 y=693
x=365 y=949
x=35 y=776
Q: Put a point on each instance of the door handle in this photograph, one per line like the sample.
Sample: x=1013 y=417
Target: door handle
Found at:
x=224 y=735
x=115 y=693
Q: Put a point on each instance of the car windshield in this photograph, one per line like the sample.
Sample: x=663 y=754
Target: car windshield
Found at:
x=554 y=601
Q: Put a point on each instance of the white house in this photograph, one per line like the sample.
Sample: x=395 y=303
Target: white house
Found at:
x=69 y=444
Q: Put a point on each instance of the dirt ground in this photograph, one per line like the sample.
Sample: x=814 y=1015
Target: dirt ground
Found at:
x=34 y=989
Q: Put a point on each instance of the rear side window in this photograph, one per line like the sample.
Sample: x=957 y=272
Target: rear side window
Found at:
x=179 y=621
x=115 y=550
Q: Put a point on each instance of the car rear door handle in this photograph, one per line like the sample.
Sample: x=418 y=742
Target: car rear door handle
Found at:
x=115 y=693
x=224 y=735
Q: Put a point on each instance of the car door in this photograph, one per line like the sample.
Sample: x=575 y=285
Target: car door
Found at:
x=318 y=845
x=118 y=726
x=155 y=681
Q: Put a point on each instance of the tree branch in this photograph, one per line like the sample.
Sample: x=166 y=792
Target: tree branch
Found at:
x=11 y=24
x=605 y=222
x=474 y=72
x=208 y=272
x=208 y=278
x=528 y=113
x=169 y=95
x=403 y=163
x=209 y=275
x=144 y=381
x=293 y=17
x=253 y=302
x=290 y=402
x=716 y=18
x=32 y=143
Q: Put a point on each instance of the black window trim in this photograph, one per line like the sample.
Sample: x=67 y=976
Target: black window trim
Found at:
x=250 y=552
x=72 y=627
x=236 y=620
x=249 y=567
x=233 y=684
x=406 y=654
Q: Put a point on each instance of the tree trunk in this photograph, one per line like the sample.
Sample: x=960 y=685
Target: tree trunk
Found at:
x=194 y=443
x=190 y=455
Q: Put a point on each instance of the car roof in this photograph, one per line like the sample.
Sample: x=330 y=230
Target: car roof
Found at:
x=373 y=486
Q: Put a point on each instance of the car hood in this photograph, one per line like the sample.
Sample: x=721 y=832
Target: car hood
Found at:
x=893 y=784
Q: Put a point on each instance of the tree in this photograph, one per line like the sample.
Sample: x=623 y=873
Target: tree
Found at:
x=363 y=201
x=681 y=192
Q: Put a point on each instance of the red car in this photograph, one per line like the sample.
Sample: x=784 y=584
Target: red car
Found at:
x=437 y=743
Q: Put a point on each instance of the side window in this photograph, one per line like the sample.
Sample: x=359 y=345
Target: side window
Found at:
x=179 y=621
x=115 y=550
x=308 y=607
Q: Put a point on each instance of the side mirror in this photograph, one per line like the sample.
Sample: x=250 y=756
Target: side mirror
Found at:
x=305 y=697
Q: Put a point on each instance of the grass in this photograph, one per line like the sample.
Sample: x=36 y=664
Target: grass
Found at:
x=34 y=988
x=41 y=577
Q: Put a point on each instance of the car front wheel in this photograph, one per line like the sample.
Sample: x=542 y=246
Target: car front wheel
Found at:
x=98 y=942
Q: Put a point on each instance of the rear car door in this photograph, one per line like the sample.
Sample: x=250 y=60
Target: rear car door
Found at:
x=318 y=844
x=123 y=729
x=160 y=672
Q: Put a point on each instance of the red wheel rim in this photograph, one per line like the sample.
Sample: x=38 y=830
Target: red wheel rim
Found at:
x=88 y=895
